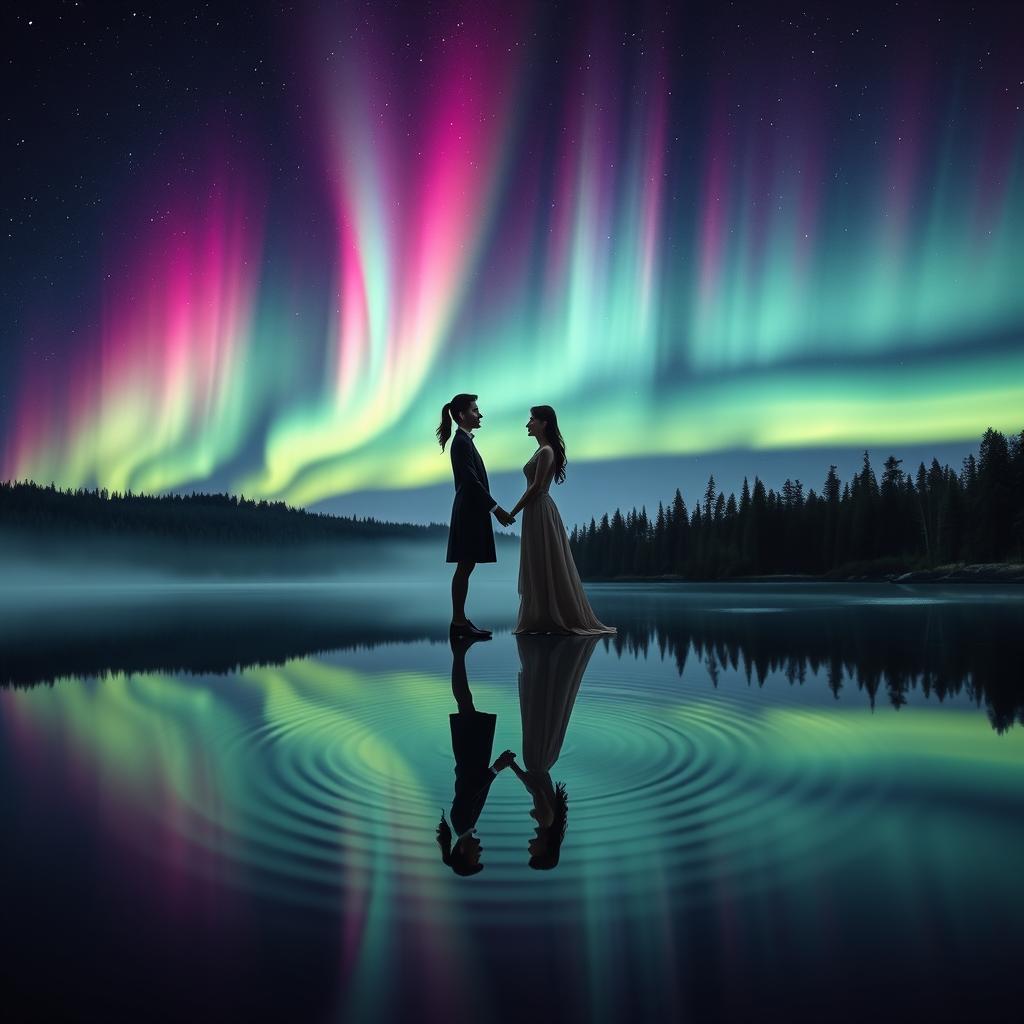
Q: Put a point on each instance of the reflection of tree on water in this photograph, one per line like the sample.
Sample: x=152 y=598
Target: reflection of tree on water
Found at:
x=551 y=670
x=201 y=632
x=944 y=647
x=940 y=649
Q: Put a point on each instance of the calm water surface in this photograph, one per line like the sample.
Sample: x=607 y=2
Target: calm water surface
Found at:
x=792 y=801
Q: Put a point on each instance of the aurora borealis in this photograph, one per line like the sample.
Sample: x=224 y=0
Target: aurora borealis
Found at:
x=760 y=229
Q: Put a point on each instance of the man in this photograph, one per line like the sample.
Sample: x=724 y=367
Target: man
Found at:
x=470 y=537
x=472 y=740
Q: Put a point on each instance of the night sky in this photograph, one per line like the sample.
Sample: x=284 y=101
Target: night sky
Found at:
x=257 y=250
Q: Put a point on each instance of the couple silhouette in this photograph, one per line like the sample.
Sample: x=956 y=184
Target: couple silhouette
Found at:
x=551 y=596
x=551 y=670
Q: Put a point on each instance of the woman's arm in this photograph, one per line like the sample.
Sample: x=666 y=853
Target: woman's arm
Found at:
x=524 y=777
x=545 y=460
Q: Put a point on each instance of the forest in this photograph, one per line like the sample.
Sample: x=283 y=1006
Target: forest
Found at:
x=868 y=525
x=195 y=518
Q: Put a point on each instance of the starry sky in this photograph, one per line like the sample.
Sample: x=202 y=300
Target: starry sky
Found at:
x=256 y=250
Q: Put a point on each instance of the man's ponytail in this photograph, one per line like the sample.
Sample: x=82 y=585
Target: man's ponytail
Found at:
x=444 y=840
x=444 y=431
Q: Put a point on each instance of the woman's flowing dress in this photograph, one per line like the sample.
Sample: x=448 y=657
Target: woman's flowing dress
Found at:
x=551 y=597
x=551 y=671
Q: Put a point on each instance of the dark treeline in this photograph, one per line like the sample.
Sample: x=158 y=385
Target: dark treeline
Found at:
x=199 y=518
x=904 y=520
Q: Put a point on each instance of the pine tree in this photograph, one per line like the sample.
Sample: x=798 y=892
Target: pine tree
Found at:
x=891 y=541
x=949 y=535
x=679 y=535
x=695 y=563
x=745 y=496
x=864 y=494
x=995 y=516
x=1016 y=453
x=754 y=554
x=660 y=554
x=604 y=546
x=830 y=494
x=618 y=549
x=709 y=498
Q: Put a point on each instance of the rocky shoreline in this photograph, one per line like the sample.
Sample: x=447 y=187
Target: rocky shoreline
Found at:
x=993 y=572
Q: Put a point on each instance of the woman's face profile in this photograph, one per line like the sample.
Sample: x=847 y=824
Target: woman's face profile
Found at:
x=538 y=845
x=542 y=814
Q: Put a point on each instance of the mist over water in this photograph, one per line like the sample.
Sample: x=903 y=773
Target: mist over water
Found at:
x=28 y=562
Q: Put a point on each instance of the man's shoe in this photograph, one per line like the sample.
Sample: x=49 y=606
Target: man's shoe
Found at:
x=467 y=629
x=475 y=626
x=461 y=644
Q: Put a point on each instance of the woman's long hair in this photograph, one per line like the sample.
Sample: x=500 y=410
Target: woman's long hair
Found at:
x=554 y=437
x=450 y=413
x=554 y=833
x=454 y=858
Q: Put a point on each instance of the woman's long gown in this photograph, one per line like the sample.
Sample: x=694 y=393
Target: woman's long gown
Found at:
x=551 y=670
x=551 y=597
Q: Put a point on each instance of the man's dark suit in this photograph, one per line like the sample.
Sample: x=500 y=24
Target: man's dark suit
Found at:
x=472 y=739
x=471 y=536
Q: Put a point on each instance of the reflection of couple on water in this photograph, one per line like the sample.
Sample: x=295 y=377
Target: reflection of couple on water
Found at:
x=551 y=597
x=551 y=670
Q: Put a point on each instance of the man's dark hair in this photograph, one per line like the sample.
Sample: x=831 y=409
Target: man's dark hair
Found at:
x=455 y=859
x=450 y=413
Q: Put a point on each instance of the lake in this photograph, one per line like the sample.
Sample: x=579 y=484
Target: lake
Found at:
x=801 y=801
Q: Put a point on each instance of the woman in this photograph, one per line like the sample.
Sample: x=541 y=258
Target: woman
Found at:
x=551 y=597
x=551 y=671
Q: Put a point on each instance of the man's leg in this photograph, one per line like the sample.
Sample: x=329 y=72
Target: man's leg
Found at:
x=460 y=681
x=460 y=588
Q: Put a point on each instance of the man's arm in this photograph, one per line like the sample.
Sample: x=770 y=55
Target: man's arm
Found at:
x=462 y=460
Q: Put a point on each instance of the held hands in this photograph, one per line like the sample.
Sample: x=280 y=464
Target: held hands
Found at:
x=503 y=517
x=504 y=760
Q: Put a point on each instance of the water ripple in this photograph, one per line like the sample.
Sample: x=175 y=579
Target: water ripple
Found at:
x=670 y=795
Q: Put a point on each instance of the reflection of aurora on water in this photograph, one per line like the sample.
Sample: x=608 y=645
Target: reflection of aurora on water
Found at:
x=319 y=784
x=311 y=786
x=732 y=261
